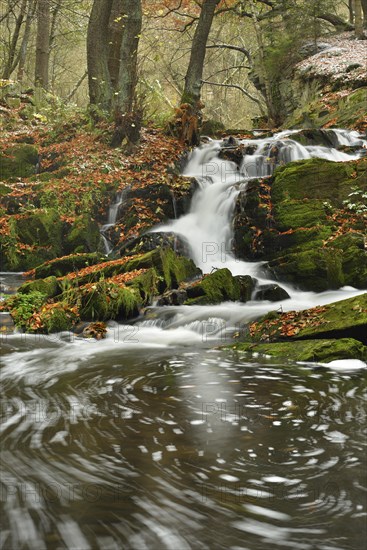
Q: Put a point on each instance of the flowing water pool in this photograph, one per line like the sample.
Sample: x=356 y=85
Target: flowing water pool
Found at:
x=111 y=445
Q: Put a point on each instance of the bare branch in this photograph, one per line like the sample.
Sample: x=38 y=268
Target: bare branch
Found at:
x=236 y=48
x=236 y=86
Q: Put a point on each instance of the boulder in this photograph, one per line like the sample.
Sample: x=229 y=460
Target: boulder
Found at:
x=66 y=264
x=319 y=351
x=19 y=161
x=271 y=292
x=219 y=286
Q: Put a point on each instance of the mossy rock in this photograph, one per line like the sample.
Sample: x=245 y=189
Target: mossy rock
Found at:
x=67 y=264
x=42 y=227
x=171 y=268
x=310 y=179
x=104 y=301
x=59 y=318
x=319 y=351
x=349 y=251
x=18 y=161
x=84 y=236
x=272 y=293
x=307 y=269
x=49 y=286
x=343 y=319
x=146 y=285
x=219 y=286
x=4 y=189
x=294 y=214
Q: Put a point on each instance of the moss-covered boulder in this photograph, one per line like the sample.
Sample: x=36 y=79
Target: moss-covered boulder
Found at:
x=32 y=238
x=319 y=351
x=84 y=236
x=22 y=308
x=49 y=286
x=301 y=219
x=18 y=161
x=67 y=264
x=104 y=301
x=219 y=286
x=344 y=319
x=271 y=292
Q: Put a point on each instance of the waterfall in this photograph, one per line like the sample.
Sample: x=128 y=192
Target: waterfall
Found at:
x=208 y=225
x=111 y=221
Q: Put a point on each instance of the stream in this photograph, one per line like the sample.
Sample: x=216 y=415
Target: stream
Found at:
x=156 y=439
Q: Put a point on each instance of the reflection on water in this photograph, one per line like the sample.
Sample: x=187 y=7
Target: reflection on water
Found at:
x=175 y=448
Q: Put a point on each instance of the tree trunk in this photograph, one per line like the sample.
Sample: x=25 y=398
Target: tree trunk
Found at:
x=24 y=46
x=351 y=11
x=127 y=115
x=10 y=66
x=116 y=29
x=42 y=44
x=194 y=74
x=364 y=9
x=100 y=90
x=358 y=20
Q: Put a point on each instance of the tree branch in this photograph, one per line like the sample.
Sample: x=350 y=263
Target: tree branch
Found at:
x=245 y=92
x=230 y=47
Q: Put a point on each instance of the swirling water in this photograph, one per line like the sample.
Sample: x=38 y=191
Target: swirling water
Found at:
x=155 y=439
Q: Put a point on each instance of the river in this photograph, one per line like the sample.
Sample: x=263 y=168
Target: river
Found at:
x=154 y=438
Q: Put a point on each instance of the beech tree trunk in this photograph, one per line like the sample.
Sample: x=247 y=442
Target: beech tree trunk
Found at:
x=364 y=9
x=129 y=54
x=358 y=19
x=42 y=44
x=24 y=46
x=11 y=61
x=194 y=74
x=116 y=28
x=126 y=111
x=100 y=88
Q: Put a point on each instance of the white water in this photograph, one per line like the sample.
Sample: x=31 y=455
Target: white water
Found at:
x=111 y=221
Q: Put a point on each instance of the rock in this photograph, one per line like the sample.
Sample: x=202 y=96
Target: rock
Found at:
x=271 y=292
x=319 y=351
x=84 y=236
x=97 y=331
x=172 y=298
x=151 y=241
x=7 y=325
x=344 y=319
x=104 y=301
x=19 y=161
x=66 y=264
x=212 y=128
x=288 y=220
x=219 y=286
x=49 y=286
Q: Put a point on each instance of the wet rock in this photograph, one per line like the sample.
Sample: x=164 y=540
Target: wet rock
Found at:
x=7 y=325
x=66 y=264
x=96 y=330
x=84 y=236
x=49 y=286
x=151 y=241
x=219 y=286
x=172 y=298
x=272 y=293
x=319 y=351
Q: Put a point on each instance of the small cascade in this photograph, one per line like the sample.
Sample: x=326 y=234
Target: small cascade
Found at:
x=111 y=221
x=208 y=225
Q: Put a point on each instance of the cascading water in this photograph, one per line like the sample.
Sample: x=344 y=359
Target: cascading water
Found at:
x=113 y=212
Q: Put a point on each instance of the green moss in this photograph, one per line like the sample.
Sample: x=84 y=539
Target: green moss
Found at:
x=49 y=287
x=292 y=214
x=306 y=269
x=345 y=316
x=84 y=235
x=218 y=287
x=146 y=284
x=321 y=351
x=42 y=227
x=309 y=179
x=67 y=264
x=4 y=189
x=59 y=318
x=106 y=301
x=18 y=161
